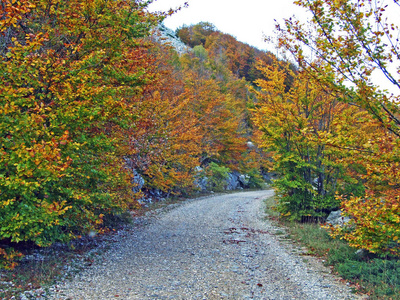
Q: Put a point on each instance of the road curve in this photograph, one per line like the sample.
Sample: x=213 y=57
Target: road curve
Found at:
x=218 y=247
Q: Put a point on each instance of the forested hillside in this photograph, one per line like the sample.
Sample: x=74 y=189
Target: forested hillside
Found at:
x=241 y=59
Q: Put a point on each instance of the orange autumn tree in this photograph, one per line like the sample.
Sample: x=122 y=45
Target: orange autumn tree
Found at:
x=196 y=35
x=219 y=113
x=357 y=40
x=165 y=141
x=70 y=72
x=191 y=116
x=375 y=214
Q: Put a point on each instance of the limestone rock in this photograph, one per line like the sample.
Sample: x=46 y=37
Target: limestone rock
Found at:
x=244 y=180
x=165 y=35
x=138 y=181
x=233 y=181
x=336 y=218
x=201 y=181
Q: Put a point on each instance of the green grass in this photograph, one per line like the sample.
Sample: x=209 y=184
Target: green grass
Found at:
x=377 y=277
x=381 y=276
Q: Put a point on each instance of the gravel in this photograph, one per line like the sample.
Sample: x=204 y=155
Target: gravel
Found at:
x=218 y=247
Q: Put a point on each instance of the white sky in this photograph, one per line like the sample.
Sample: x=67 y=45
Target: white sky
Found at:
x=246 y=20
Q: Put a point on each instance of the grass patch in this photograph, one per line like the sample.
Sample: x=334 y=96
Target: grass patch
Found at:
x=381 y=277
x=377 y=277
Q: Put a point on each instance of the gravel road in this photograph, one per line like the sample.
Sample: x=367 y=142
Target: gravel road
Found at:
x=217 y=247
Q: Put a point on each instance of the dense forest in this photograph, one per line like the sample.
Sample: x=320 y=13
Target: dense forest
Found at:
x=91 y=100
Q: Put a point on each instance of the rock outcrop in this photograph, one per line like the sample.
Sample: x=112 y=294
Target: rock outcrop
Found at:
x=165 y=35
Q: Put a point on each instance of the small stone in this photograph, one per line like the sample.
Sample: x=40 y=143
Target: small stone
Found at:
x=361 y=253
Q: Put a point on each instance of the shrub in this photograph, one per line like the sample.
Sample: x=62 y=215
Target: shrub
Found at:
x=217 y=176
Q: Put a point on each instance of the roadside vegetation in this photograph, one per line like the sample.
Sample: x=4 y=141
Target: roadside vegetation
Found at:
x=366 y=273
x=333 y=137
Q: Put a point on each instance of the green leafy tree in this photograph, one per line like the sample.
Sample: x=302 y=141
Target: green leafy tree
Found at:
x=217 y=176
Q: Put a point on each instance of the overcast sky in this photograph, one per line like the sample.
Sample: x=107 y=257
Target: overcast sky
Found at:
x=246 y=20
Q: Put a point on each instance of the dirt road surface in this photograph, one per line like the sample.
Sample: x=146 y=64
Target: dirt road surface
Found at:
x=219 y=247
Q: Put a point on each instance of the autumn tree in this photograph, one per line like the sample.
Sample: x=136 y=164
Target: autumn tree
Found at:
x=165 y=140
x=196 y=34
x=357 y=40
x=70 y=71
x=189 y=119
x=291 y=123
x=219 y=113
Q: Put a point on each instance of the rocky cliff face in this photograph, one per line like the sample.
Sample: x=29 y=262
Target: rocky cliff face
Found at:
x=167 y=36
